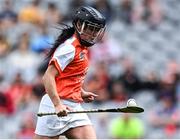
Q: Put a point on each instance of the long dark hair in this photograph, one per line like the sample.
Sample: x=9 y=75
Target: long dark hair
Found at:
x=66 y=32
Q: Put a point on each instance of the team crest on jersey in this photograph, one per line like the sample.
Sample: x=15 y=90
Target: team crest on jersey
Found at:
x=81 y=55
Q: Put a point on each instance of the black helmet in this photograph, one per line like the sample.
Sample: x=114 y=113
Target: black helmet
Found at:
x=89 y=25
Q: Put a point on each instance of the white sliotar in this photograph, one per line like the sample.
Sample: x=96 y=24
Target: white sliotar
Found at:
x=131 y=102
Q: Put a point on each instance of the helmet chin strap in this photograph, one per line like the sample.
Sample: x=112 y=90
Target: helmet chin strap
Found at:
x=85 y=43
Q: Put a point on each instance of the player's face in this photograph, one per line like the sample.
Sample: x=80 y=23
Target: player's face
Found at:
x=91 y=32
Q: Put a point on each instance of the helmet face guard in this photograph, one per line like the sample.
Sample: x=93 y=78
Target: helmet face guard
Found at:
x=90 y=32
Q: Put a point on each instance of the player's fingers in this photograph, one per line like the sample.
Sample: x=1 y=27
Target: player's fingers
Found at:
x=93 y=94
x=91 y=98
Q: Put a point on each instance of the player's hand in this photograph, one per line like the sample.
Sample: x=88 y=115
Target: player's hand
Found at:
x=62 y=110
x=88 y=96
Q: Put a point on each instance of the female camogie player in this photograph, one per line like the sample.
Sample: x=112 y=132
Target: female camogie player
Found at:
x=64 y=77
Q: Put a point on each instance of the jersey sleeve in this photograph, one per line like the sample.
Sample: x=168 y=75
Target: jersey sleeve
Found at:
x=63 y=55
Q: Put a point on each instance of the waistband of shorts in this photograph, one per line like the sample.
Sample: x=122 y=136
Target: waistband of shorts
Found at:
x=65 y=101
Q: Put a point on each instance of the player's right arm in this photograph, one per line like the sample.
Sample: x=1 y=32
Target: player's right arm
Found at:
x=50 y=86
x=63 y=55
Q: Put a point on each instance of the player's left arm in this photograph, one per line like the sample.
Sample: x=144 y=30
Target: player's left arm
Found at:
x=87 y=96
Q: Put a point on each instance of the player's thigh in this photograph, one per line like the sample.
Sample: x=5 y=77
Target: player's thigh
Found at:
x=81 y=132
x=45 y=137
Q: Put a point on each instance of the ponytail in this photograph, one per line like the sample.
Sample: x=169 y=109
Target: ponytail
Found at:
x=67 y=32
